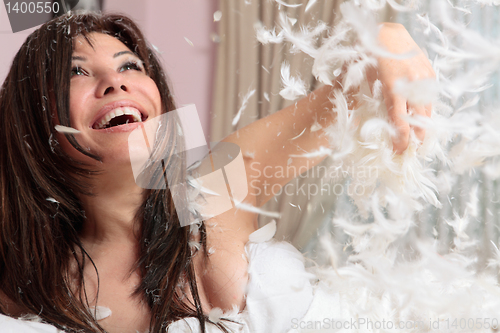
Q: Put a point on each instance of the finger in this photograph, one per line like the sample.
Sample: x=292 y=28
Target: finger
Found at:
x=397 y=110
x=418 y=110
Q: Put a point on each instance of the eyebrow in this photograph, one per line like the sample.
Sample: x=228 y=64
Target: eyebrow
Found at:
x=114 y=55
x=78 y=58
x=122 y=53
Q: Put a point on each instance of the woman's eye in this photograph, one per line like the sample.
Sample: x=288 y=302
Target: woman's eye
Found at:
x=77 y=71
x=131 y=65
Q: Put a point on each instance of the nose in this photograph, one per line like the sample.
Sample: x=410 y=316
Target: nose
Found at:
x=110 y=89
x=111 y=82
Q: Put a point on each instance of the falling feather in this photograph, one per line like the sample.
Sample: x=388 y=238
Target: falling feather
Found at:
x=244 y=104
x=264 y=233
x=322 y=151
x=100 y=312
x=309 y=5
x=399 y=7
x=315 y=127
x=265 y=36
x=50 y=199
x=303 y=40
x=253 y=209
x=298 y=136
x=466 y=11
x=472 y=205
x=357 y=73
x=488 y=2
x=194 y=245
x=293 y=87
x=249 y=154
x=215 y=315
x=217 y=16
x=66 y=129
x=282 y=3
x=495 y=261
x=418 y=92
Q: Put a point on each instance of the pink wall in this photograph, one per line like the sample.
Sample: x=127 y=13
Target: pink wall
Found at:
x=166 y=24
x=190 y=68
x=9 y=42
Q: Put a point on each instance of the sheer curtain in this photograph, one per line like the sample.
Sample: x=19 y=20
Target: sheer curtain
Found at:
x=482 y=181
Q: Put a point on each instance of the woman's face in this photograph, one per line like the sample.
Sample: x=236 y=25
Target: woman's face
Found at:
x=110 y=96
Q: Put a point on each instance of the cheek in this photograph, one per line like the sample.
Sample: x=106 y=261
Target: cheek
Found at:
x=76 y=99
x=152 y=91
x=74 y=105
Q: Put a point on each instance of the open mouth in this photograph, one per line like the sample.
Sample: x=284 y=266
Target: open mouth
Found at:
x=119 y=116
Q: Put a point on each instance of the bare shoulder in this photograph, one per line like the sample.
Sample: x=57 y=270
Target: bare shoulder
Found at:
x=223 y=272
x=219 y=197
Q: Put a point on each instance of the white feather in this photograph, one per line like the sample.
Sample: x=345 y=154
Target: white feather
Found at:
x=265 y=36
x=264 y=233
x=188 y=41
x=315 y=127
x=244 y=104
x=253 y=209
x=293 y=87
x=488 y=2
x=100 y=312
x=309 y=5
x=472 y=205
x=215 y=315
x=399 y=7
x=303 y=40
x=282 y=3
x=217 y=16
x=418 y=92
x=322 y=151
x=50 y=199
x=298 y=136
x=66 y=129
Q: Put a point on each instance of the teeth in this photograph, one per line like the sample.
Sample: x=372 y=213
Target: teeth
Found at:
x=119 y=112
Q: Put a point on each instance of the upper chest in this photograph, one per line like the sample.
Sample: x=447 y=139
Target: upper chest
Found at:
x=222 y=275
x=221 y=278
x=115 y=289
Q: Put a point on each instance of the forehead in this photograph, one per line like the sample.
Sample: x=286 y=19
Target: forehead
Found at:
x=99 y=42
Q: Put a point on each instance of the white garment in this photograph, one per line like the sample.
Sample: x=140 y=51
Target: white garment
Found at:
x=11 y=325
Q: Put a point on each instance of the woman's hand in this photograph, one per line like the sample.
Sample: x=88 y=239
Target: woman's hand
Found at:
x=397 y=40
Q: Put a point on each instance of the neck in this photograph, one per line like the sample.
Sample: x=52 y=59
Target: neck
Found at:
x=112 y=208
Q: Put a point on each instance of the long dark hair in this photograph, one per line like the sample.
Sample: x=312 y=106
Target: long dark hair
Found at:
x=41 y=215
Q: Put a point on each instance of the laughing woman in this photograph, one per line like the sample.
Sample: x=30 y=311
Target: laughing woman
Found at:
x=78 y=234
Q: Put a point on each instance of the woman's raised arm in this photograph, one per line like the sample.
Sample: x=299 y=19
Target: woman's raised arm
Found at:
x=270 y=144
